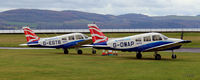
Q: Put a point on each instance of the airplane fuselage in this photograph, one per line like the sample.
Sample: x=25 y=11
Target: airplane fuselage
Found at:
x=63 y=41
x=143 y=42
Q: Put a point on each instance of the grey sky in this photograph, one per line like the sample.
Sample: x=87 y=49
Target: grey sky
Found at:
x=116 y=7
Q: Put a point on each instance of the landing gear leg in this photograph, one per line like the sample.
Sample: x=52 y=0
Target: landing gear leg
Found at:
x=79 y=51
x=138 y=55
x=157 y=56
x=94 y=51
x=66 y=51
x=173 y=55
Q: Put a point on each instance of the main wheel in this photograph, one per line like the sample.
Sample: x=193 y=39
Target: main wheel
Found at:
x=157 y=57
x=173 y=56
x=79 y=52
x=139 y=55
x=94 y=51
x=66 y=51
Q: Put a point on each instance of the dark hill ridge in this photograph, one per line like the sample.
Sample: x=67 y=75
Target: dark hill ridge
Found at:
x=69 y=19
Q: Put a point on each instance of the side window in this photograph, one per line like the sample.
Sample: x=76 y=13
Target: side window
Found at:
x=71 y=37
x=85 y=36
x=147 y=38
x=156 y=38
x=79 y=37
x=138 y=40
x=64 y=39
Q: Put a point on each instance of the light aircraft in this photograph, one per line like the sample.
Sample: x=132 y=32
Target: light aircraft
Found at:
x=147 y=42
x=73 y=40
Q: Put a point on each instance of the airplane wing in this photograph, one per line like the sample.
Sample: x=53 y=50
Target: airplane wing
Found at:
x=82 y=43
x=163 y=47
x=89 y=41
x=97 y=46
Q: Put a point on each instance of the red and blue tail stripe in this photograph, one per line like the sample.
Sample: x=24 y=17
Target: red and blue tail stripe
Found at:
x=30 y=35
x=97 y=35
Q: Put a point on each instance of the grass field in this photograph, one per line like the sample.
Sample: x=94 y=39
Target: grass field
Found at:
x=13 y=40
x=54 y=65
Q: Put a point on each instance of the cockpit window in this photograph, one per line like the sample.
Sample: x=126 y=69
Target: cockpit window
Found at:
x=147 y=38
x=165 y=37
x=156 y=38
x=71 y=37
x=79 y=37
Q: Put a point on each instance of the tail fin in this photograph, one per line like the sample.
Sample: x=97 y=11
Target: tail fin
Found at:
x=97 y=35
x=30 y=35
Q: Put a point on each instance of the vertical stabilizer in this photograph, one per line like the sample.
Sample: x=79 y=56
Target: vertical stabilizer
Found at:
x=30 y=35
x=97 y=35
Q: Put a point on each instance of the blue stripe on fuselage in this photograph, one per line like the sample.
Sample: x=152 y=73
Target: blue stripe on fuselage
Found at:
x=67 y=45
x=143 y=47
x=147 y=46
x=153 y=44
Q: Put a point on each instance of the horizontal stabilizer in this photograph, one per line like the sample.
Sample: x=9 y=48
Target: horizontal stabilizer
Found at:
x=28 y=44
x=100 y=46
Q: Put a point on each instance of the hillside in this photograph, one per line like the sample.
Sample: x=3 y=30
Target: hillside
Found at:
x=47 y=19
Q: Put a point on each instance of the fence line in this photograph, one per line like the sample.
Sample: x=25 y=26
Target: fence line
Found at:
x=106 y=30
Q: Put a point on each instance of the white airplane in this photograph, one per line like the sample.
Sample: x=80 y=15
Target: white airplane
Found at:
x=147 y=42
x=73 y=40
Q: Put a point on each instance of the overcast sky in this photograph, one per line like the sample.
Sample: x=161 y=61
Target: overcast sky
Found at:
x=115 y=7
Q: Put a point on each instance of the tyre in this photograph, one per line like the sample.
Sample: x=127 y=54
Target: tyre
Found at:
x=79 y=52
x=66 y=51
x=173 y=56
x=139 y=55
x=157 y=57
x=94 y=51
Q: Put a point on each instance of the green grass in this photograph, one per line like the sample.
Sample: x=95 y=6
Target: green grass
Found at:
x=54 y=65
x=13 y=40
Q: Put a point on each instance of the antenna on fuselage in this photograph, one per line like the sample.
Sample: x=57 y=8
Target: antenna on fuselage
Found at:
x=182 y=33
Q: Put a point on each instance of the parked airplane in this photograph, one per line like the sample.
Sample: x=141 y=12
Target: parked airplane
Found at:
x=147 y=42
x=73 y=40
